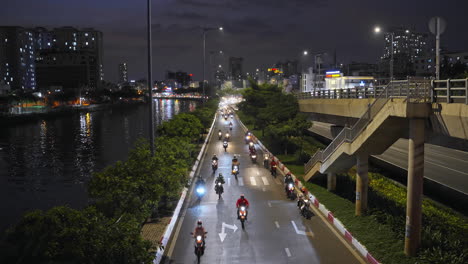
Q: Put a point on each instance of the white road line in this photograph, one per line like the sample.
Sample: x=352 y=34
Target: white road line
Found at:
x=241 y=181
x=229 y=181
x=277 y=224
x=269 y=204
x=252 y=181
x=258 y=173
x=287 y=252
x=265 y=181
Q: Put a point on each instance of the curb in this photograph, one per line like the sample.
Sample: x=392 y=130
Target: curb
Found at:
x=168 y=232
x=328 y=214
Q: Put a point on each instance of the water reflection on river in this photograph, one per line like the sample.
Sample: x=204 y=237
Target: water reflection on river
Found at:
x=48 y=162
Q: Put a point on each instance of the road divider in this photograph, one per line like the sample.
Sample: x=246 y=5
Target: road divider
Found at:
x=300 y=188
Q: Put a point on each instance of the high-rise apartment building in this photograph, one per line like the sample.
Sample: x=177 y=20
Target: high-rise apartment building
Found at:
x=38 y=58
x=17 y=55
x=235 y=68
x=71 y=58
x=408 y=47
x=123 y=72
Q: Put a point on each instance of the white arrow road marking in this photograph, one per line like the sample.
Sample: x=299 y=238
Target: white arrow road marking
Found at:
x=223 y=234
x=229 y=181
x=304 y=233
x=277 y=224
x=241 y=181
x=265 y=181
x=287 y=252
x=252 y=181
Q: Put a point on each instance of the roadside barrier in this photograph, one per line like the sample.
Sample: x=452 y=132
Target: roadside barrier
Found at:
x=300 y=188
x=168 y=232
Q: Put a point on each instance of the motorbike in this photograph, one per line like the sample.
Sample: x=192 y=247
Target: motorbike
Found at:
x=273 y=170
x=219 y=189
x=303 y=206
x=291 y=194
x=235 y=170
x=230 y=127
x=242 y=215
x=226 y=117
x=251 y=146
x=266 y=161
x=214 y=165
x=225 y=145
x=199 y=246
x=227 y=136
x=220 y=135
x=200 y=189
x=248 y=138
x=253 y=157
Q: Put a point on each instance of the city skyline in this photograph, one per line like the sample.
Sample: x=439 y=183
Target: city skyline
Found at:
x=280 y=30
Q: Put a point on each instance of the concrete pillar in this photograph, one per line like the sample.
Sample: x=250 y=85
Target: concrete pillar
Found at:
x=331 y=181
x=362 y=182
x=415 y=186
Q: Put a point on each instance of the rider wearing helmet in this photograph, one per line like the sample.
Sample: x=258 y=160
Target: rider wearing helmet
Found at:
x=242 y=202
x=220 y=179
x=214 y=157
x=199 y=231
x=235 y=161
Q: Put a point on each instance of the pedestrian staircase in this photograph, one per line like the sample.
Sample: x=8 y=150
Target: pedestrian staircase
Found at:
x=384 y=122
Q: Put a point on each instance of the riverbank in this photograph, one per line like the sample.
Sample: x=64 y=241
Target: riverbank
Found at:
x=51 y=113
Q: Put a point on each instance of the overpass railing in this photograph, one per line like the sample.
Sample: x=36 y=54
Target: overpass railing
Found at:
x=412 y=90
x=450 y=91
x=446 y=91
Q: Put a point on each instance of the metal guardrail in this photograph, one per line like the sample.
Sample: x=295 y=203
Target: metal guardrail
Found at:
x=450 y=91
x=412 y=90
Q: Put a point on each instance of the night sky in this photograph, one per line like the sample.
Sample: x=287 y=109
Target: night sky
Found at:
x=261 y=31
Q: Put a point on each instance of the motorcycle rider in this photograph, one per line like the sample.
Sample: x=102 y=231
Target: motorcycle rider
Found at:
x=235 y=161
x=242 y=202
x=220 y=179
x=200 y=181
x=220 y=134
x=272 y=164
x=199 y=231
x=214 y=158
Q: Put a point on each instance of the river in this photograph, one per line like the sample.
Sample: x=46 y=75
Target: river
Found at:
x=47 y=162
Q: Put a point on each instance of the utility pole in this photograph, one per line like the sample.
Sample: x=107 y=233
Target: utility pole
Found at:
x=150 y=85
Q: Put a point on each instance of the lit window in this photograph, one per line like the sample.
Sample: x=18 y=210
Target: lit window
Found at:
x=92 y=39
x=86 y=43
x=66 y=43
x=48 y=43
x=74 y=43
x=6 y=40
x=86 y=34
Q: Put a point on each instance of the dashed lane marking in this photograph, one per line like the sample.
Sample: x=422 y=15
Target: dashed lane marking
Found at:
x=287 y=252
x=265 y=181
x=241 y=181
x=252 y=181
x=277 y=224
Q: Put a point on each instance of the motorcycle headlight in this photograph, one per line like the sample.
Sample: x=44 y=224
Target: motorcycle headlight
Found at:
x=290 y=185
x=200 y=190
x=242 y=208
x=219 y=184
x=254 y=156
x=199 y=238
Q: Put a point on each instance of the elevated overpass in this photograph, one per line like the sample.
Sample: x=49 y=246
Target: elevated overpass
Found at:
x=374 y=119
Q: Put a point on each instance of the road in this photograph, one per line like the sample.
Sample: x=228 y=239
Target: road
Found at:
x=274 y=232
x=445 y=166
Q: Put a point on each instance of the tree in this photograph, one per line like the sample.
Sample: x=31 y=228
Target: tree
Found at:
x=182 y=125
x=65 y=235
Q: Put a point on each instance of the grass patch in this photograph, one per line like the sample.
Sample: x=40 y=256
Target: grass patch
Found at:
x=155 y=230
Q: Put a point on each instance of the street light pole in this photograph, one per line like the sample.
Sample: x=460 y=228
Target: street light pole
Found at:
x=150 y=94
x=204 y=58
